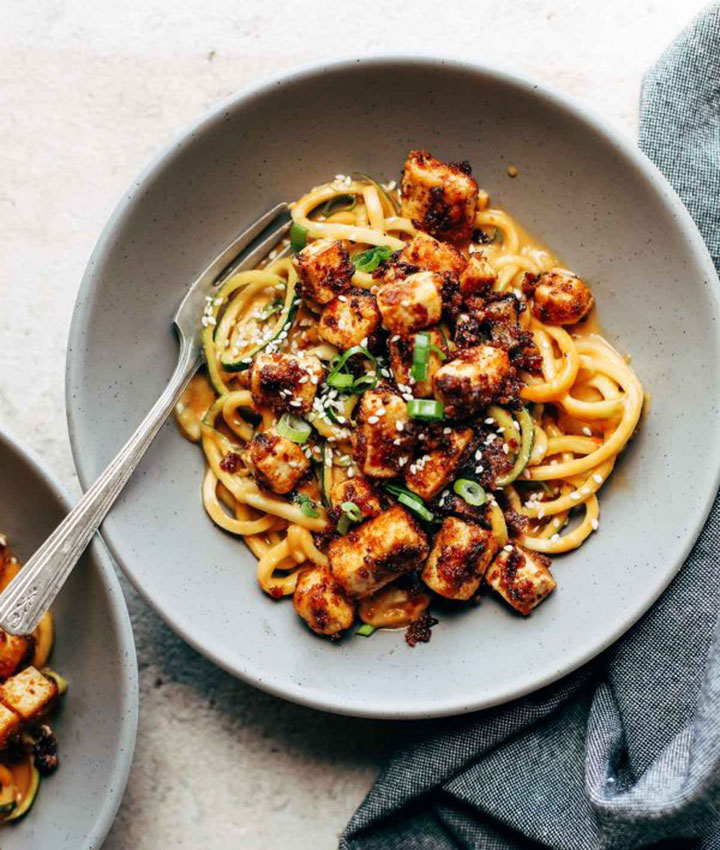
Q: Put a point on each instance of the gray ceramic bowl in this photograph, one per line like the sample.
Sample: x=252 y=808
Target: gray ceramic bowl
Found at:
x=94 y=650
x=582 y=188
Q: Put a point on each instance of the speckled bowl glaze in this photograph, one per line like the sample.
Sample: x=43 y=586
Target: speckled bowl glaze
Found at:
x=94 y=650
x=581 y=188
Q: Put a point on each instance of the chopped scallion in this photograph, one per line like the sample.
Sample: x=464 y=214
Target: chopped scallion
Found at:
x=421 y=352
x=307 y=506
x=293 y=428
x=365 y=630
x=411 y=501
x=368 y=261
x=470 y=491
x=426 y=409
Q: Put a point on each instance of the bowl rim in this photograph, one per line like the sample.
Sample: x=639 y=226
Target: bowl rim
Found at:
x=129 y=709
x=586 y=115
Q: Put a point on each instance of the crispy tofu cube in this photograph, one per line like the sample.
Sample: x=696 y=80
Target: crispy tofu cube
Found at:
x=29 y=694
x=275 y=462
x=411 y=304
x=460 y=555
x=439 y=198
x=324 y=270
x=321 y=601
x=9 y=726
x=349 y=319
x=402 y=349
x=285 y=382
x=385 y=436
x=14 y=650
x=360 y=492
x=559 y=298
x=435 y=468
x=472 y=380
x=478 y=276
x=522 y=578
x=374 y=553
x=430 y=255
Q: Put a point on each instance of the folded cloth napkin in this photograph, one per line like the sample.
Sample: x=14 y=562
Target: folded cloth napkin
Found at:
x=625 y=752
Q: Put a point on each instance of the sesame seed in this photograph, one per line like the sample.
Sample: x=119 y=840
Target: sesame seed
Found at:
x=598 y=479
x=351 y=473
x=555 y=538
x=507 y=548
x=541 y=513
x=575 y=496
x=373 y=420
x=594 y=524
x=587 y=431
x=489 y=420
x=399 y=426
x=342 y=298
x=447 y=430
x=585 y=491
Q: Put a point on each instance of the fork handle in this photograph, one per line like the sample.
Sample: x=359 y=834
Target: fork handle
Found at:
x=32 y=591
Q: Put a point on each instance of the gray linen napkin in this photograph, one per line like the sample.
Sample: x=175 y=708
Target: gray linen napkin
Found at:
x=625 y=752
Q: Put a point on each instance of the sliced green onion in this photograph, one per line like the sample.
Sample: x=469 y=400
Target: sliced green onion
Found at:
x=340 y=380
x=368 y=261
x=298 y=237
x=340 y=203
x=421 y=352
x=364 y=383
x=365 y=630
x=293 y=428
x=437 y=350
x=307 y=506
x=410 y=500
x=352 y=511
x=426 y=409
x=471 y=491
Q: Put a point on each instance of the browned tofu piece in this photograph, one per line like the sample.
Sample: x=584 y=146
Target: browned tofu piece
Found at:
x=439 y=198
x=14 y=650
x=275 y=462
x=430 y=255
x=285 y=382
x=324 y=270
x=372 y=554
x=350 y=319
x=360 y=492
x=478 y=276
x=402 y=349
x=559 y=298
x=522 y=578
x=9 y=726
x=29 y=694
x=411 y=304
x=472 y=380
x=320 y=600
x=385 y=436
x=429 y=473
x=460 y=555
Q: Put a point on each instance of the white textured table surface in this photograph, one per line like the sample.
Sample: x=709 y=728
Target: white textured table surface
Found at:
x=88 y=92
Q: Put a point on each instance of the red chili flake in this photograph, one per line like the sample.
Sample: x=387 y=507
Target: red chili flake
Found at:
x=230 y=462
x=276 y=593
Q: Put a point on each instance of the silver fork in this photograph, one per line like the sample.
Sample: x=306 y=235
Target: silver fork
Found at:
x=33 y=590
